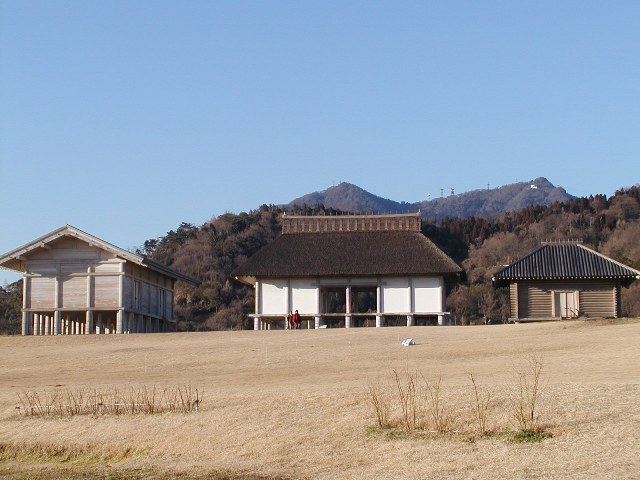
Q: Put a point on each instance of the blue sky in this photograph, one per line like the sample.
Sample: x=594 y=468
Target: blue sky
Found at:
x=126 y=118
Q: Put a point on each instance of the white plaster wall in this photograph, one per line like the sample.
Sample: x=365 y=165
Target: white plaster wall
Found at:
x=273 y=297
x=427 y=294
x=304 y=296
x=395 y=297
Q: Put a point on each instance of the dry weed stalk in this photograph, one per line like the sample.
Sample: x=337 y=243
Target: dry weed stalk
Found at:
x=482 y=405
x=380 y=404
x=426 y=407
x=407 y=394
x=442 y=420
x=128 y=400
x=525 y=403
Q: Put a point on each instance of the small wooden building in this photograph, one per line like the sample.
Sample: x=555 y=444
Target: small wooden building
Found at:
x=564 y=280
x=74 y=283
x=350 y=271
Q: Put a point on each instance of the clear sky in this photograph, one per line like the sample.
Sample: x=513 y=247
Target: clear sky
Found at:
x=125 y=118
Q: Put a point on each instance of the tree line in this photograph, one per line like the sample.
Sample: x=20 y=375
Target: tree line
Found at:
x=210 y=253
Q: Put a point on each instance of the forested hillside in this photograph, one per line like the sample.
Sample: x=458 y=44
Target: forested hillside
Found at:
x=210 y=253
x=481 y=246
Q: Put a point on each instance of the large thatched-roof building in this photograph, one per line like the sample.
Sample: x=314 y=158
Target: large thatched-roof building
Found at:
x=75 y=283
x=350 y=271
x=564 y=280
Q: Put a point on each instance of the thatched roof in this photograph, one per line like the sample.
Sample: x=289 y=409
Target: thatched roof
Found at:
x=563 y=261
x=342 y=254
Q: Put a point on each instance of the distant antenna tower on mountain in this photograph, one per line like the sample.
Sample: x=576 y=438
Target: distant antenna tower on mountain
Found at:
x=453 y=192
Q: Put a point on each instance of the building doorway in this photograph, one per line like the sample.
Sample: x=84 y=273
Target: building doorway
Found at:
x=566 y=304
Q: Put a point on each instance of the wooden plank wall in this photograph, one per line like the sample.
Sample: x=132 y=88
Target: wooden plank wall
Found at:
x=143 y=290
x=88 y=277
x=596 y=298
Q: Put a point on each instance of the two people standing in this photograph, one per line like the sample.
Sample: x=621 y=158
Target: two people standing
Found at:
x=294 y=320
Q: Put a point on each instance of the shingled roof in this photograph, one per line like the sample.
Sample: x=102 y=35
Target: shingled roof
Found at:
x=315 y=250
x=15 y=259
x=567 y=260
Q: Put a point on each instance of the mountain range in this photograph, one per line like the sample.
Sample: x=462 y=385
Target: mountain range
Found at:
x=485 y=202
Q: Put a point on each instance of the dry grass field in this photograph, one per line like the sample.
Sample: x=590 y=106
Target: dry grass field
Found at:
x=295 y=404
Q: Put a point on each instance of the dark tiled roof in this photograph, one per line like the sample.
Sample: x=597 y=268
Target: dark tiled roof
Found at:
x=565 y=261
x=348 y=254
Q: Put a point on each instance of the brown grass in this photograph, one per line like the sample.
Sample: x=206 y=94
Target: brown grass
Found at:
x=295 y=404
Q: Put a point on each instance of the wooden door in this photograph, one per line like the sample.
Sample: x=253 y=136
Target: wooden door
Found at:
x=566 y=305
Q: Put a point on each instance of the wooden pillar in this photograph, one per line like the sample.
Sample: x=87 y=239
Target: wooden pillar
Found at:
x=411 y=309
x=25 y=323
x=89 y=330
x=442 y=301
x=347 y=316
x=318 y=316
x=287 y=303
x=90 y=302
x=258 y=297
x=57 y=320
x=100 y=329
x=119 y=320
x=47 y=325
x=26 y=316
x=379 y=321
x=57 y=315
x=120 y=312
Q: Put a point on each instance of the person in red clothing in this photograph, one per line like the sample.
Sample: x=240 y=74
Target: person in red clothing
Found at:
x=296 y=319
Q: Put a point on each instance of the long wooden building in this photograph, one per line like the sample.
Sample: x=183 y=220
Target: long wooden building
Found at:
x=355 y=270
x=75 y=283
x=564 y=280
